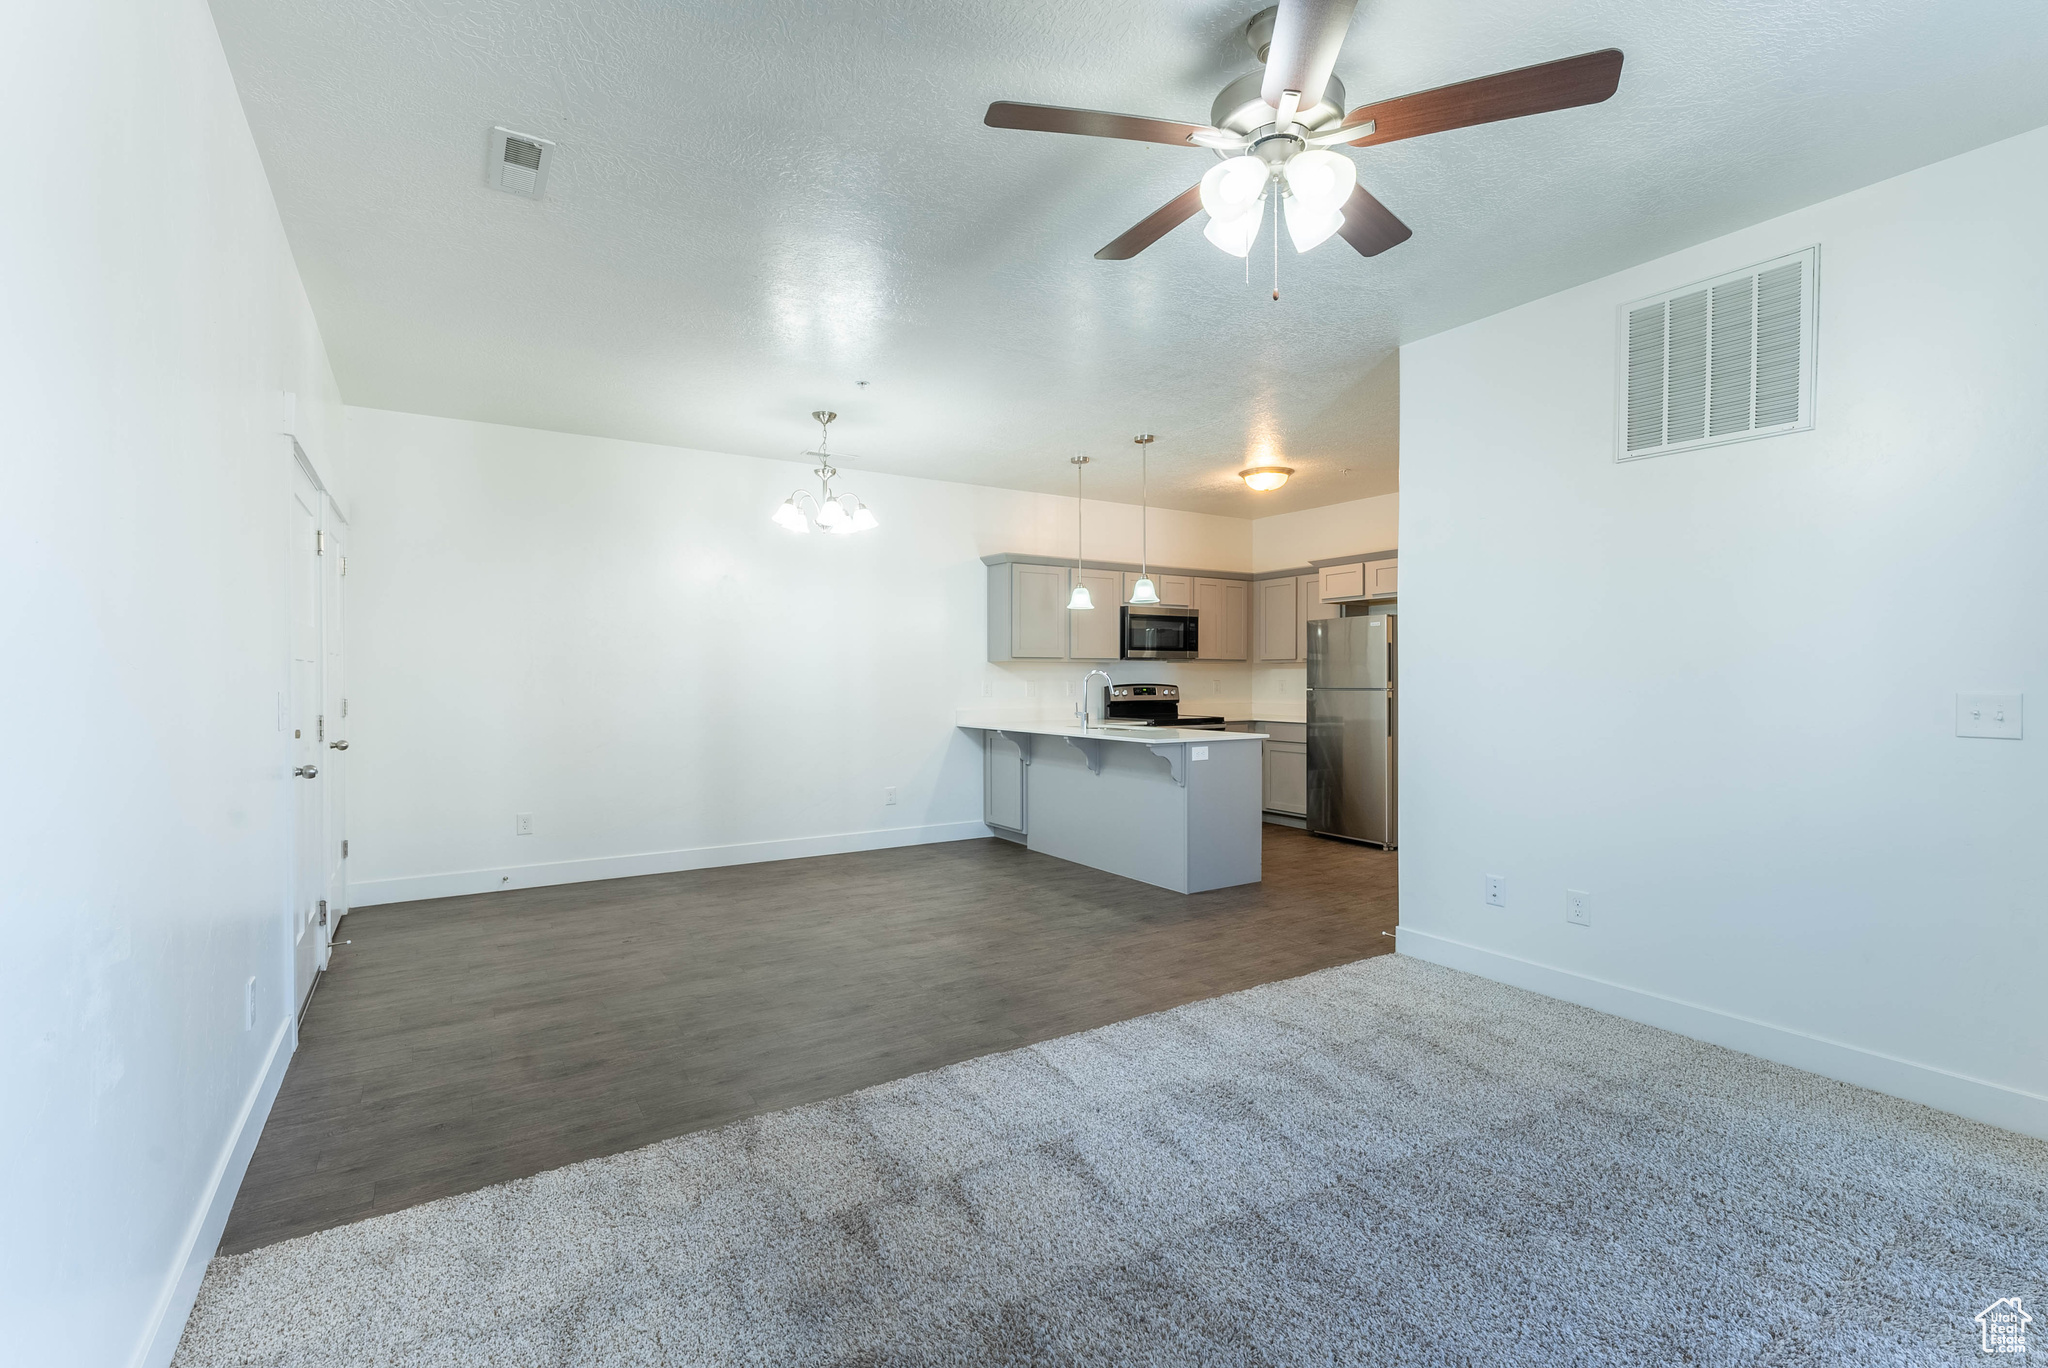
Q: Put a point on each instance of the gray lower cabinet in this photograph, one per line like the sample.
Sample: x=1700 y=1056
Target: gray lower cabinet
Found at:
x=1005 y=778
x=1287 y=777
x=1027 y=612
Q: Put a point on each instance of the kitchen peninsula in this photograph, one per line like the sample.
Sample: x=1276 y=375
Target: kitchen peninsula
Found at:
x=1172 y=806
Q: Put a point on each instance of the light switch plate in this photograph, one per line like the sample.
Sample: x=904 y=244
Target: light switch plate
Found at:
x=1994 y=715
x=1578 y=907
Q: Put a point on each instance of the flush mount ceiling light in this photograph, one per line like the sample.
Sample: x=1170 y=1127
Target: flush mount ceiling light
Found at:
x=840 y=513
x=1081 y=598
x=1275 y=127
x=1144 y=591
x=1263 y=478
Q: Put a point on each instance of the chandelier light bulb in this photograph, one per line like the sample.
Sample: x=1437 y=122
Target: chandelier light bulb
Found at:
x=863 y=520
x=1321 y=180
x=831 y=515
x=1233 y=188
x=791 y=518
x=1237 y=235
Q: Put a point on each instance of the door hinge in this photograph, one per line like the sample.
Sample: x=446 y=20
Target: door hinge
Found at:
x=344 y=707
x=344 y=850
x=319 y=542
x=320 y=727
x=344 y=567
x=323 y=911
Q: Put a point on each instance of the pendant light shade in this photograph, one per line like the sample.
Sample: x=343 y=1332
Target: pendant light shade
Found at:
x=1144 y=591
x=1080 y=598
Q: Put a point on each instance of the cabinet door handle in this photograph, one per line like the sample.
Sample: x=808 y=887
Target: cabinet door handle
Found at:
x=337 y=745
x=307 y=772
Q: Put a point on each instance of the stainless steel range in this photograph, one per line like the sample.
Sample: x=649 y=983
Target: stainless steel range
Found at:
x=1154 y=705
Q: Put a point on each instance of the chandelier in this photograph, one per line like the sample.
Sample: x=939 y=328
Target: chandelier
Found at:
x=841 y=513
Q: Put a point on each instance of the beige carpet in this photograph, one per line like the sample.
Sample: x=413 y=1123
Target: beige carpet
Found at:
x=1386 y=1163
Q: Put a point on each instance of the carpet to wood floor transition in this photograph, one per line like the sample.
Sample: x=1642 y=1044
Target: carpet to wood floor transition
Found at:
x=1384 y=1163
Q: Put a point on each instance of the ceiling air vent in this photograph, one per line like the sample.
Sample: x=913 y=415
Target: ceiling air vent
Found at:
x=1720 y=361
x=519 y=162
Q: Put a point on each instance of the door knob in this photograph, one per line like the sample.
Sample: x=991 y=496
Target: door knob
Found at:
x=307 y=772
x=337 y=745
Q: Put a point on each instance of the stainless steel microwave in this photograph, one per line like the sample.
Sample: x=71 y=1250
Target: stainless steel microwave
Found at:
x=1158 y=633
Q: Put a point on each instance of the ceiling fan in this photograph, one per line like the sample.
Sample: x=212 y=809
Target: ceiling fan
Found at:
x=1283 y=122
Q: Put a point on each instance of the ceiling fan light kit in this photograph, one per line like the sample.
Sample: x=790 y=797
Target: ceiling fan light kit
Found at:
x=842 y=514
x=1282 y=122
x=1265 y=478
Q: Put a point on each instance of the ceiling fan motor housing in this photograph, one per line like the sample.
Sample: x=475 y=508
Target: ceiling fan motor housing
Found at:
x=1241 y=109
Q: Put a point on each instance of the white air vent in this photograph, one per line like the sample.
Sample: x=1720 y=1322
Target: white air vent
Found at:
x=1720 y=361
x=519 y=162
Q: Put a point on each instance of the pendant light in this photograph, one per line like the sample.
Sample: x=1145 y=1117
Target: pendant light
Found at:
x=1143 y=591
x=840 y=513
x=1081 y=597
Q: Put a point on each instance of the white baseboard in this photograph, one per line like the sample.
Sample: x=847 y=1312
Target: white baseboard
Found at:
x=1976 y=1098
x=412 y=888
x=167 y=1324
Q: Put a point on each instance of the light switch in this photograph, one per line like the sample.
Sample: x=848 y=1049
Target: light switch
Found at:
x=1198 y=752
x=1992 y=715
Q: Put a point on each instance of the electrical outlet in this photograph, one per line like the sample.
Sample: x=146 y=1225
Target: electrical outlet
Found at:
x=1198 y=752
x=249 y=1005
x=889 y=796
x=1496 y=891
x=522 y=824
x=1578 y=907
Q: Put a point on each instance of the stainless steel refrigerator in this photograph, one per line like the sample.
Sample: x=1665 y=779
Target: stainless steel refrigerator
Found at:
x=1353 y=788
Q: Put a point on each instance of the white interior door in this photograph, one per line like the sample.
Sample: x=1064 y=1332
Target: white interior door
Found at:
x=334 y=729
x=309 y=872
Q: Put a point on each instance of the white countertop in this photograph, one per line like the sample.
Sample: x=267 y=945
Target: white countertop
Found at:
x=1153 y=736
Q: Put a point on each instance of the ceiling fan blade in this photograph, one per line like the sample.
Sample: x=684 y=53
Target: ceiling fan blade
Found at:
x=1306 y=37
x=1154 y=225
x=1370 y=226
x=1586 y=79
x=1091 y=123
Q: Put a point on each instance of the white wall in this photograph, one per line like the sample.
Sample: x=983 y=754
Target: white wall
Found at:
x=152 y=317
x=614 y=638
x=1717 y=689
x=1286 y=540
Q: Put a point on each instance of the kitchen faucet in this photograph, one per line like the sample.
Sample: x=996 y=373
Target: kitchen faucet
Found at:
x=1084 y=694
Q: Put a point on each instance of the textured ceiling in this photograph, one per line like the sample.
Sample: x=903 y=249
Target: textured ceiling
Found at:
x=755 y=206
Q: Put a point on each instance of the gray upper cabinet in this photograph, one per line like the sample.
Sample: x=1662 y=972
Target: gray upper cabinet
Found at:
x=1175 y=591
x=1223 y=607
x=1373 y=579
x=1093 y=633
x=1027 y=612
x=1312 y=608
x=1276 y=621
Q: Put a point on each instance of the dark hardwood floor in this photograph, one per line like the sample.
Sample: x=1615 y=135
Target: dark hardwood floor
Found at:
x=466 y=1041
